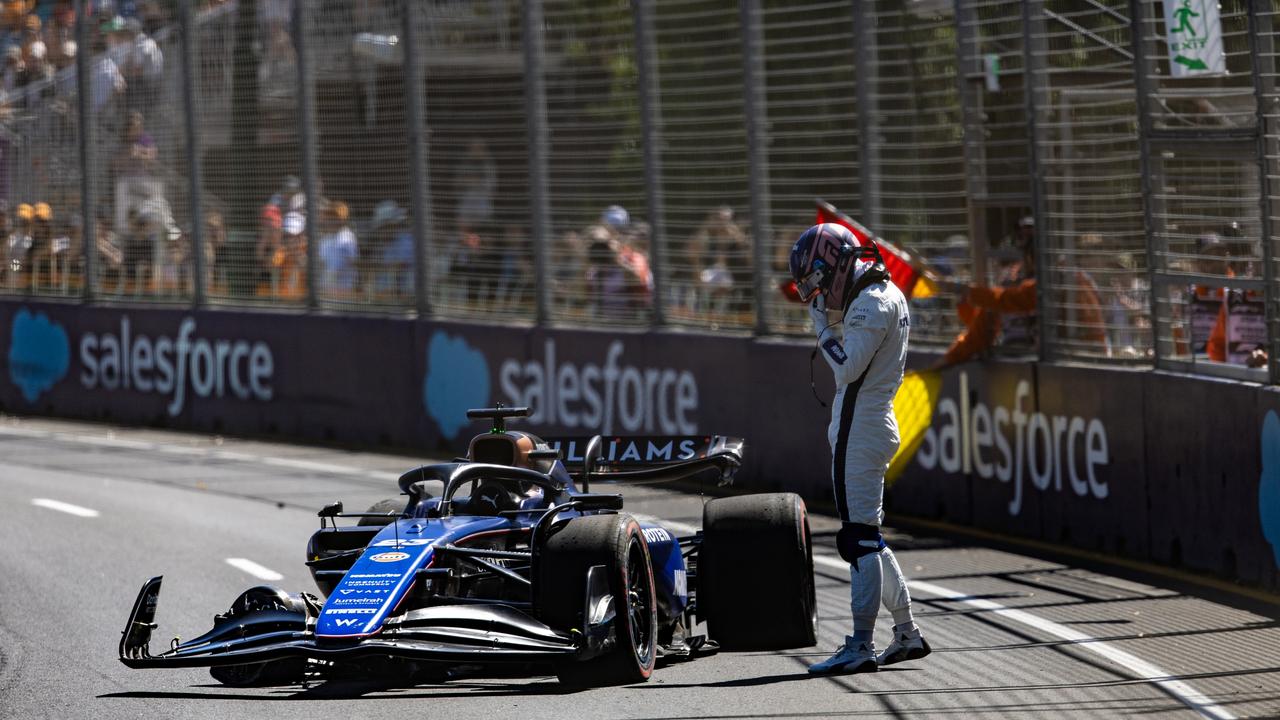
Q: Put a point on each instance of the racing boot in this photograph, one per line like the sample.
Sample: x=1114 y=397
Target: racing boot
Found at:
x=852 y=657
x=906 y=645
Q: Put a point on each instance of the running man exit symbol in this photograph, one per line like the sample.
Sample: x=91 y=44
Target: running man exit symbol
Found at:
x=1194 y=35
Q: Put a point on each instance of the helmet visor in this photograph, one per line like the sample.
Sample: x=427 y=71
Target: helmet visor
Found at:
x=810 y=285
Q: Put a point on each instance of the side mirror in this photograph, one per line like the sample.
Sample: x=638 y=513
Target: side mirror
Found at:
x=590 y=459
x=331 y=510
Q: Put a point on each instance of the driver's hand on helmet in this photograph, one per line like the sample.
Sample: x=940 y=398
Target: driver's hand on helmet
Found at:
x=818 y=313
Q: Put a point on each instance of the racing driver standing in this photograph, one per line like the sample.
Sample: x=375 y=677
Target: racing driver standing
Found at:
x=864 y=340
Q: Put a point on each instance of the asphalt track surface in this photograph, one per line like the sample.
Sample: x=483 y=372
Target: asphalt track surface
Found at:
x=87 y=513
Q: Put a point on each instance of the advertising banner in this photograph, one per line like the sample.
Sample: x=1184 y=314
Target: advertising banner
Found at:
x=1151 y=465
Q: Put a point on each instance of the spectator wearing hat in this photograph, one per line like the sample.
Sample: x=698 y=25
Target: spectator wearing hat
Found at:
x=41 y=252
x=142 y=66
x=136 y=169
x=721 y=255
x=270 y=242
x=215 y=249
x=59 y=36
x=1005 y=314
x=34 y=52
x=390 y=268
x=1205 y=300
x=14 y=74
x=289 y=261
x=338 y=251
x=17 y=252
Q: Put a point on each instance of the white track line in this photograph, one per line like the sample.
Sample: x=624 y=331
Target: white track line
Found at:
x=1200 y=703
x=213 y=453
x=254 y=569
x=65 y=507
x=1144 y=670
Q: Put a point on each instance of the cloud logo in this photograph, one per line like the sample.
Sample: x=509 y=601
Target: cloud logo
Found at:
x=1269 y=484
x=457 y=380
x=39 y=353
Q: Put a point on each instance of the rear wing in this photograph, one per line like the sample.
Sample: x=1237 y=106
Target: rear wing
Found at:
x=653 y=459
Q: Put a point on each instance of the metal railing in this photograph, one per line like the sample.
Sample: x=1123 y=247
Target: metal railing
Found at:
x=643 y=164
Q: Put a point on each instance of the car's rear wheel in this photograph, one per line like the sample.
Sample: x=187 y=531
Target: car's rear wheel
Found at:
x=755 y=573
x=615 y=542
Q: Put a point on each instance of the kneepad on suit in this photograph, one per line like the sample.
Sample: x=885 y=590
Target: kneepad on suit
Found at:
x=856 y=540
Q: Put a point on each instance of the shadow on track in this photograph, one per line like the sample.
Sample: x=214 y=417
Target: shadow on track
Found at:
x=356 y=690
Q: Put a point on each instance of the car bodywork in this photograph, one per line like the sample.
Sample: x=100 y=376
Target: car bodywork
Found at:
x=455 y=578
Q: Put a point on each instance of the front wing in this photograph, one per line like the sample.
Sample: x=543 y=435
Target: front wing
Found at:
x=451 y=633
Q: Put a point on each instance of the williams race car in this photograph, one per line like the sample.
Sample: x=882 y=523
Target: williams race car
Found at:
x=516 y=562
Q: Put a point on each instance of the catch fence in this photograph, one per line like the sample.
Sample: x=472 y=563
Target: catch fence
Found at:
x=636 y=164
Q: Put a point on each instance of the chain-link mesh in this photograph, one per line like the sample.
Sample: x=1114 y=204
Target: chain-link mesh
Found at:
x=246 y=98
x=810 y=83
x=700 y=75
x=1088 y=145
x=917 y=140
x=479 y=146
x=599 y=254
x=40 y=148
x=943 y=169
x=1267 y=50
x=1205 y=231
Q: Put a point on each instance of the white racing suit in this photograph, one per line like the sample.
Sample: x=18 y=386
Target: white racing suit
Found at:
x=867 y=351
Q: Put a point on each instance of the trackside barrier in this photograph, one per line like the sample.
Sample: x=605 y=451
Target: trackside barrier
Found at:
x=1157 y=466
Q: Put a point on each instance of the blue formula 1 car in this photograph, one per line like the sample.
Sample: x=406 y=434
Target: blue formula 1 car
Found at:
x=515 y=562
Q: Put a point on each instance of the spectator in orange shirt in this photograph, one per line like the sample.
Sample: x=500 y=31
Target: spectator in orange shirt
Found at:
x=1007 y=313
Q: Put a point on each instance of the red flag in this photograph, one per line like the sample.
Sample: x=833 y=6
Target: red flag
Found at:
x=901 y=266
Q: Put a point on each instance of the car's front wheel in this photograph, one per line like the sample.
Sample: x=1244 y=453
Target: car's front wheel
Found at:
x=615 y=542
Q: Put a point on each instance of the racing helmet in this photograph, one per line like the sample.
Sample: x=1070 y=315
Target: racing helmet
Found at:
x=828 y=259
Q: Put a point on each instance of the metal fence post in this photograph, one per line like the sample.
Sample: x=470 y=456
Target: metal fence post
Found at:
x=754 y=103
x=1033 y=46
x=535 y=100
x=88 y=214
x=419 y=177
x=1141 y=66
x=194 y=172
x=864 y=88
x=1262 y=45
x=307 y=147
x=966 y=19
x=651 y=141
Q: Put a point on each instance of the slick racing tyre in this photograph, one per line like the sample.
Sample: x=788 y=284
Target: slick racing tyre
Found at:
x=755 y=573
x=285 y=671
x=560 y=589
x=390 y=505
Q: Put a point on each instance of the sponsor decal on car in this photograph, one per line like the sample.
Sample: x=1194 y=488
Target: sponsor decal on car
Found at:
x=364 y=591
x=373 y=575
x=389 y=557
x=403 y=542
x=654 y=535
x=349 y=611
x=370 y=583
x=356 y=601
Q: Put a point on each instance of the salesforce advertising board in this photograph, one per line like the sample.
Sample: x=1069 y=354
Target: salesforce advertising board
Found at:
x=1114 y=461
x=163 y=365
